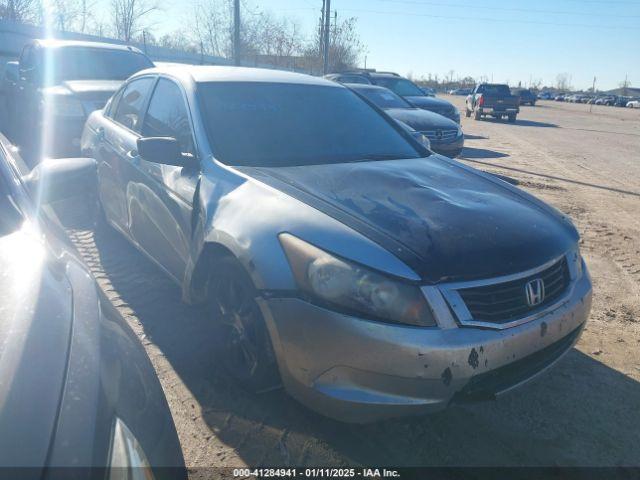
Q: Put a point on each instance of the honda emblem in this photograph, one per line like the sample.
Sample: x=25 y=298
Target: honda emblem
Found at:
x=534 y=291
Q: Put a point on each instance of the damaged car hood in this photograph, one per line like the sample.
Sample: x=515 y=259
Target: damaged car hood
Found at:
x=456 y=223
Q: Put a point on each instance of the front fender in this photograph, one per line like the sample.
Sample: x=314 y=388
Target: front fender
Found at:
x=245 y=216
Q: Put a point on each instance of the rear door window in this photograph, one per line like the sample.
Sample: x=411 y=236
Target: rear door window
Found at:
x=130 y=107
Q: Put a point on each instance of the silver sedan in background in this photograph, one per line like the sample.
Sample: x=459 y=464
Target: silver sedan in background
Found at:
x=370 y=276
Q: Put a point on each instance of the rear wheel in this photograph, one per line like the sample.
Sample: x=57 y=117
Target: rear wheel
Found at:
x=511 y=118
x=245 y=349
x=467 y=112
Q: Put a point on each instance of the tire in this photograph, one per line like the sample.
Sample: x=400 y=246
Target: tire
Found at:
x=476 y=114
x=467 y=113
x=511 y=119
x=245 y=352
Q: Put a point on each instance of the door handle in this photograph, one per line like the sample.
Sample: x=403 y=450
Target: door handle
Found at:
x=133 y=156
x=100 y=133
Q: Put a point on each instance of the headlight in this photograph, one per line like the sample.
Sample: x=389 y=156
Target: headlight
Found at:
x=353 y=287
x=127 y=460
x=575 y=257
x=63 y=105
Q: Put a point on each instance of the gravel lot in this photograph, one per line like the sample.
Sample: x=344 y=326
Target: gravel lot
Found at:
x=583 y=412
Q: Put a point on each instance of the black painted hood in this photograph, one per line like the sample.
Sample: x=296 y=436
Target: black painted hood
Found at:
x=35 y=327
x=458 y=223
x=430 y=103
x=421 y=120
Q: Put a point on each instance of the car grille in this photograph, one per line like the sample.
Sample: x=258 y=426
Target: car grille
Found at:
x=507 y=301
x=440 y=134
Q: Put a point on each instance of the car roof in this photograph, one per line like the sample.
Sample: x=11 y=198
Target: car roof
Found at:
x=215 y=73
x=55 y=43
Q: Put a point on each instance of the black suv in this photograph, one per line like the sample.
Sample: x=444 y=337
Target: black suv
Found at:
x=59 y=84
x=526 y=96
x=407 y=90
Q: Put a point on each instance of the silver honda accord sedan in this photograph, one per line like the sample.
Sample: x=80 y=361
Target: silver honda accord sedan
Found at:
x=337 y=255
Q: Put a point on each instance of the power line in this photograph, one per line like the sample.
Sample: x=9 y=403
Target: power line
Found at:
x=487 y=19
x=507 y=9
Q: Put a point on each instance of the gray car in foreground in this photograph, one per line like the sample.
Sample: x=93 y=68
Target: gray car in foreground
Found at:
x=79 y=397
x=337 y=255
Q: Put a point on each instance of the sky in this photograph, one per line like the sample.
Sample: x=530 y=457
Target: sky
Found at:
x=508 y=40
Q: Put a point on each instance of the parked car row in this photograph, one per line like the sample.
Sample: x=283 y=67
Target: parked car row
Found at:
x=460 y=91
x=339 y=256
x=609 y=99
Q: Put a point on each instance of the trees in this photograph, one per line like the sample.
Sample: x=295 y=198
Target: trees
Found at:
x=266 y=38
x=24 y=11
x=345 y=47
x=128 y=16
x=563 y=82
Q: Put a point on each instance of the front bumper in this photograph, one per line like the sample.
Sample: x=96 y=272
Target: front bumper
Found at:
x=360 y=371
x=449 y=149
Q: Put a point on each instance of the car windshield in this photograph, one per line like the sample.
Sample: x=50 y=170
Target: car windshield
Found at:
x=383 y=98
x=278 y=124
x=401 y=86
x=79 y=63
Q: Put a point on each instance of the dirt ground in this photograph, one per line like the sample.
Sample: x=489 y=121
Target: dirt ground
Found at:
x=584 y=412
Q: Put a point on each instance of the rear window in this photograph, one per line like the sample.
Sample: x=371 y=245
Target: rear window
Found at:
x=275 y=124
x=354 y=79
x=494 y=89
x=383 y=98
x=401 y=86
x=85 y=63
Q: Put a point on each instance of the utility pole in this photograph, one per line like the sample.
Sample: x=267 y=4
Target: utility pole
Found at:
x=593 y=90
x=236 y=32
x=321 y=32
x=327 y=27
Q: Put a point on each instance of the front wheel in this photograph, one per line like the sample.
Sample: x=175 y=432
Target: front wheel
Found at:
x=467 y=113
x=245 y=349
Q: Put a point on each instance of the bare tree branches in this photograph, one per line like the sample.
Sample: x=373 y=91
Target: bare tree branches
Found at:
x=25 y=11
x=563 y=82
x=128 y=16
x=345 y=47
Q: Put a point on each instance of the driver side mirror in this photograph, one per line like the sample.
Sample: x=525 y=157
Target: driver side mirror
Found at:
x=58 y=179
x=164 y=150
